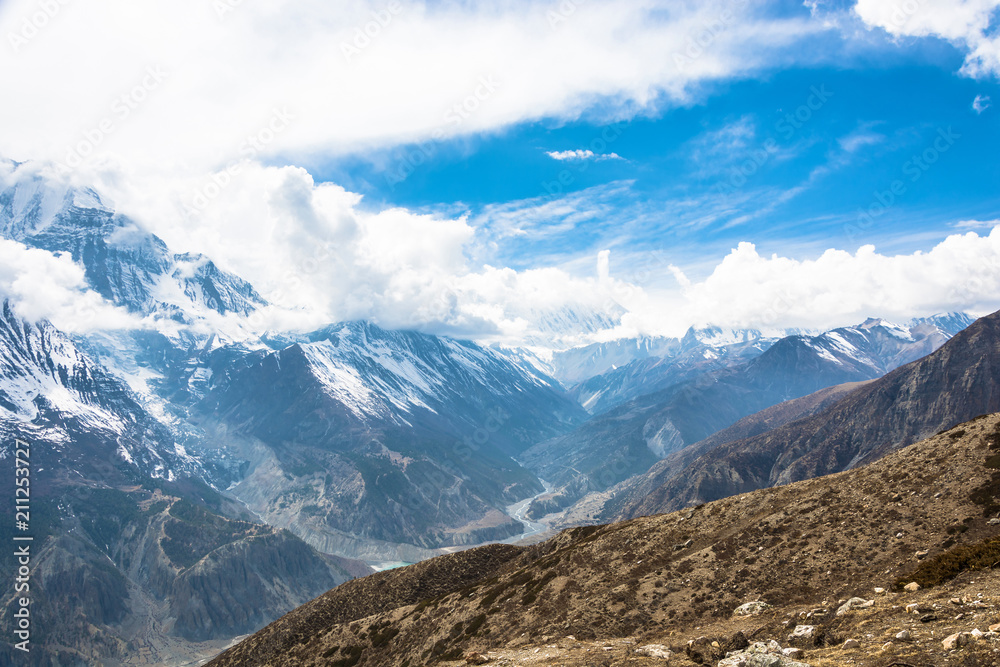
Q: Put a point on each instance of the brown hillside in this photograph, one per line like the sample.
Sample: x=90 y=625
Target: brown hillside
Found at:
x=632 y=491
x=668 y=579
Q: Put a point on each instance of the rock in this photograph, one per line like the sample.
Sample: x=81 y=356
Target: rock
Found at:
x=957 y=640
x=927 y=618
x=751 y=608
x=911 y=587
x=793 y=653
x=852 y=643
x=476 y=659
x=913 y=608
x=802 y=632
x=886 y=646
x=977 y=633
x=921 y=554
x=855 y=603
x=879 y=591
x=760 y=654
x=994 y=522
x=995 y=627
x=685 y=545
x=655 y=651
x=903 y=636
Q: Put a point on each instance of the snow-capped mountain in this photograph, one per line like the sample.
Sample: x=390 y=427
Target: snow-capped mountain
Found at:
x=875 y=346
x=630 y=437
x=646 y=365
x=123 y=262
x=51 y=392
x=400 y=437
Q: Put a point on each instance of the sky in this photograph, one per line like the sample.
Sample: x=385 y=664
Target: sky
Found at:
x=521 y=171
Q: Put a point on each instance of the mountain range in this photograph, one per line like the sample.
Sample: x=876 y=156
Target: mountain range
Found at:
x=194 y=479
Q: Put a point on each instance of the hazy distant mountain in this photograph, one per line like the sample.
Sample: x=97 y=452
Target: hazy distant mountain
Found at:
x=628 y=439
x=956 y=383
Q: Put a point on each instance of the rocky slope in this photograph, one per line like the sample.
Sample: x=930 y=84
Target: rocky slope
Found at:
x=955 y=383
x=924 y=513
x=367 y=438
x=118 y=570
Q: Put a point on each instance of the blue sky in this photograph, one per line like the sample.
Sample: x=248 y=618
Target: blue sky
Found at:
x=520 y=170
x=695 y=180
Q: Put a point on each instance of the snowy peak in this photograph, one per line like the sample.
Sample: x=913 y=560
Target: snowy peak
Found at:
x=881 y=345
x=51 y=389
x=123 y=262
x=380 y=373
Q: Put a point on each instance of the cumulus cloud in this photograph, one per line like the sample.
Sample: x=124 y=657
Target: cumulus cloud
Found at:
x=747 y=289
x=318 y=254
x=970 y=24
x=981 y=103
x=41 y=285
x=582 y=155
x=321 y=255
x=351 y=75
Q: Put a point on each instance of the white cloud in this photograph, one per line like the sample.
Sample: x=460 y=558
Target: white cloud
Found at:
x=976 y=224
x=981 y=103
x=583 y=155
x=41 y=285
x=403 y=269
x=747 y=289
x=966 y=23
x=434 y=70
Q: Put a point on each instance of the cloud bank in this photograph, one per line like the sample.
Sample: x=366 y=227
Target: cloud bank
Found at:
x=339 y=71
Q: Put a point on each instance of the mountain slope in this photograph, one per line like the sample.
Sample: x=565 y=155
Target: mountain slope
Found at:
x=960 y=380
x=670 y=579
x=629 y=439
x=624 y=370
x=365 y=438
x=117 y=566
x=53 y=392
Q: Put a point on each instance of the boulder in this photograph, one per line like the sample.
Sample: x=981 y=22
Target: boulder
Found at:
x=911 y=587
x=854 y=603
x=802 y=632
x=852 y=643
x=957 y=640
x=655 y=651
x=751 y=608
